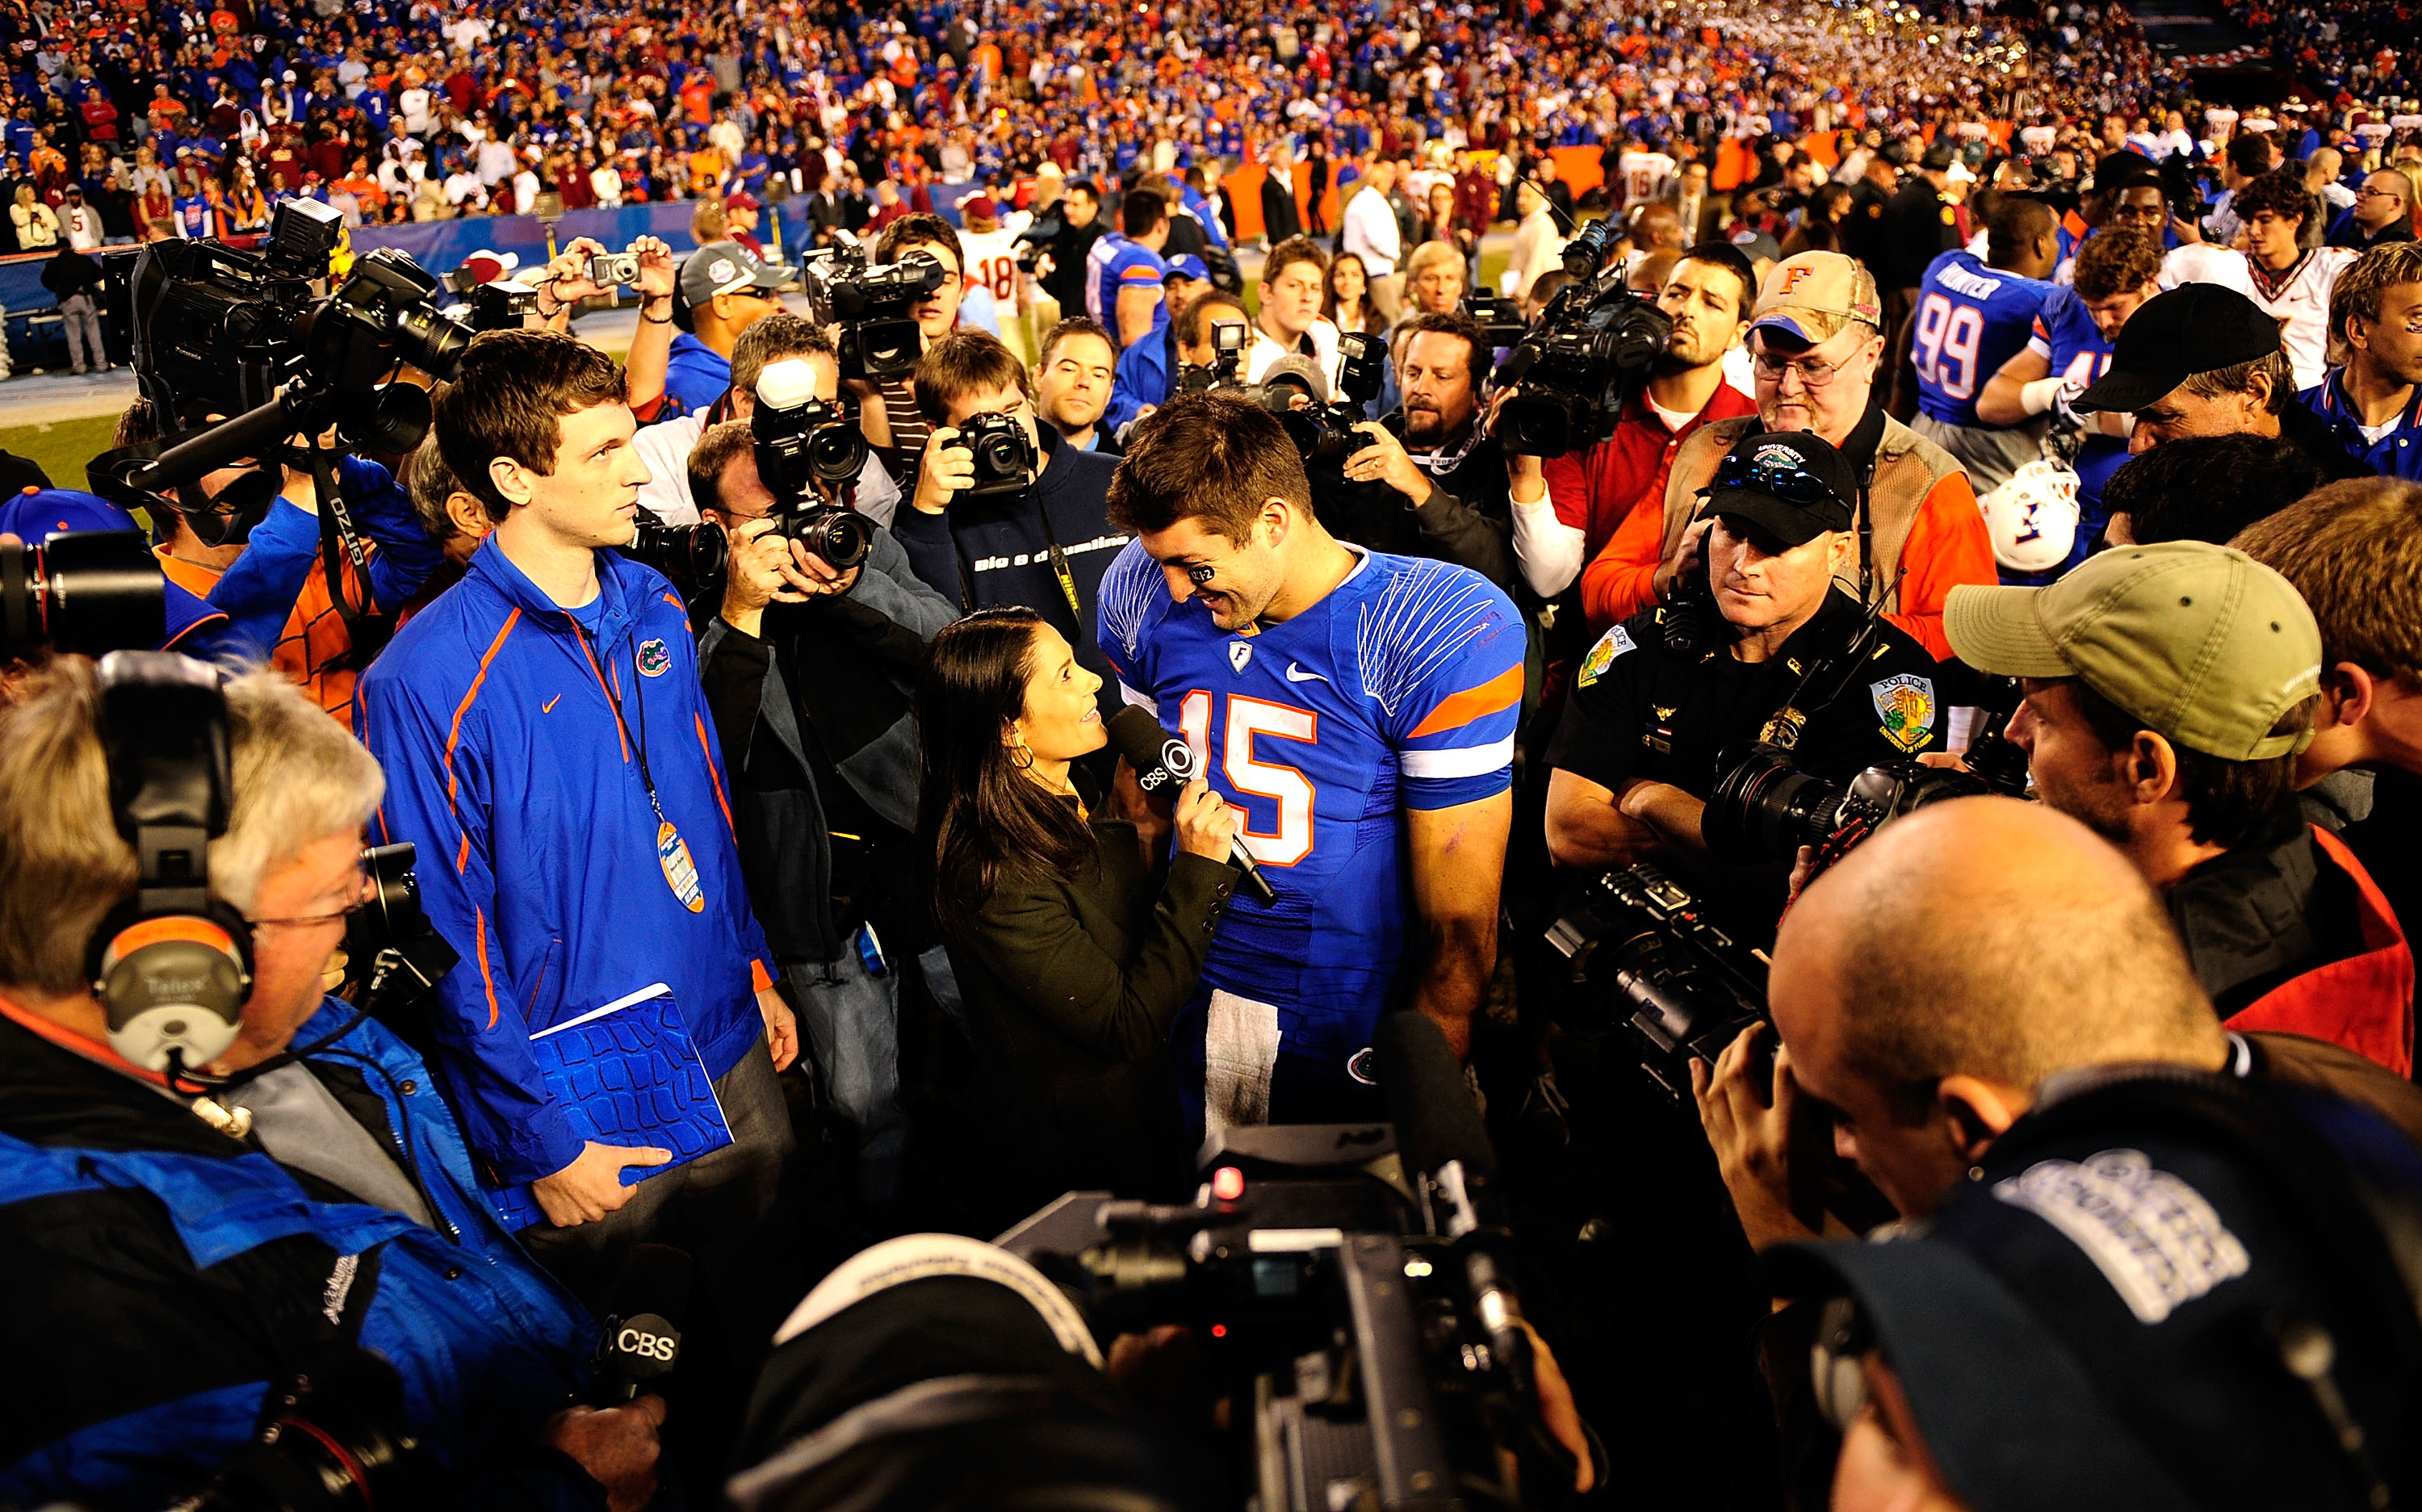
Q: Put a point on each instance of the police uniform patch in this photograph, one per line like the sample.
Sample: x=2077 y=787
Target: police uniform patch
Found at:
x=1905 y=705
x=1610 y=645
x=653 y=658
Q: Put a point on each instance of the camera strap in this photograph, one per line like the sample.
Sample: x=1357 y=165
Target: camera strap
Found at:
x=1059 y=568
x=367 y=631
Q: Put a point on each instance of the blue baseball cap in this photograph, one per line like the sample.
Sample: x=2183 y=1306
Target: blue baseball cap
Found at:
x=1186 y=265
x=37 y=516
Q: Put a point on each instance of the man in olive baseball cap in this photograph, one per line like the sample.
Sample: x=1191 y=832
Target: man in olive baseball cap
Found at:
x=2168 y=690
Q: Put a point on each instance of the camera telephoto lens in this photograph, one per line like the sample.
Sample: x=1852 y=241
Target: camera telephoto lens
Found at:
x=85 y=591
x=1764 y=811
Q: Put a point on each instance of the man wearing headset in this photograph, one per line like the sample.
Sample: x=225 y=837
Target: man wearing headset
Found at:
x=181 y=1235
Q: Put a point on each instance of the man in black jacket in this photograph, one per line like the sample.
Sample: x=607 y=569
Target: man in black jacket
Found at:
x=1075 y=225
x=1429 y=481
x=809 y=669
x=1280 y=218
x=1043 y=544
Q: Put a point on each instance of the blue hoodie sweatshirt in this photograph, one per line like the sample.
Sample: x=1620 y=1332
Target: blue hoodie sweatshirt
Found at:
x=495 y=715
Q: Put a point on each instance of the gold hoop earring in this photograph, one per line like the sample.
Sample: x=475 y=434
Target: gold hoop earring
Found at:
x=1020 y=754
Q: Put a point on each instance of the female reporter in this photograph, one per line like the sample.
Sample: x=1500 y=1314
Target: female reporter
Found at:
x=1071 y=961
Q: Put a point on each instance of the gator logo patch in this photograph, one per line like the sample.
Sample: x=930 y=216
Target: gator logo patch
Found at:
x=1610 y=645
x=653 y=658
x=1905 y=705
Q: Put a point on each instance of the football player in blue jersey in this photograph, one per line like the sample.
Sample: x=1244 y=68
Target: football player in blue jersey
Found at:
x=2070 y=347
x=1357 y=710
x=1972 y=316
x=1123 y=272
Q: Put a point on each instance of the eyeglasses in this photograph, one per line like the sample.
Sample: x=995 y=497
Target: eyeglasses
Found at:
x=321 y=920
x=1814 y=373
x=1785 y=481
x=2366 y=192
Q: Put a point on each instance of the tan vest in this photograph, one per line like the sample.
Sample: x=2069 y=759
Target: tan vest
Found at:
x=1908 y=466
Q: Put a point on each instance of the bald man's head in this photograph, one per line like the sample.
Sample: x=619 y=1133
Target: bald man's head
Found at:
x=1930 y=981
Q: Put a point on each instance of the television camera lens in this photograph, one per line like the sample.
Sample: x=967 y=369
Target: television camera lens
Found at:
x=84 y=591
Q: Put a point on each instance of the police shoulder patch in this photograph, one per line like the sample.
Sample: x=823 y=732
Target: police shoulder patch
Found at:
x=1610 y=645
x=1906 y=704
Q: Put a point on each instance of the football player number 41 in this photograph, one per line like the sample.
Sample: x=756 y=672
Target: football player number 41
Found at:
x=1286 y=786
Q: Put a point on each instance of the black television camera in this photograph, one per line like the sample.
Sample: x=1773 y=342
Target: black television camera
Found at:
x=2192 y=188
x=802 y=441
x=1324 y=435
x=1652 y=960
x=85 y=591
x=1591 y=349
x=879 y=339
x=1348 y=1287
x=1500 y=318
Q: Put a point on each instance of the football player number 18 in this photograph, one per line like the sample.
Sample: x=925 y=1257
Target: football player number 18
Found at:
x=999 y=274
x=1286 y=786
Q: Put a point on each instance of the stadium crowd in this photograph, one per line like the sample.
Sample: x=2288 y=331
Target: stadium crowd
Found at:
x=1088 y=600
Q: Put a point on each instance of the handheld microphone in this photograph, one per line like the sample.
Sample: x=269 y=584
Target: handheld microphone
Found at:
x=640 y=1338
x=1164 y=763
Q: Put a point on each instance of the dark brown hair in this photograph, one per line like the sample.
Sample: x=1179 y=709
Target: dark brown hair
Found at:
x=964 y=361
x=515 y=388
x=1212 y=457
x=911 y=231
x=1190 y=331
x=1073 y=326
x=979 y=816
x=2224 y=799
x=2281 y=191
x=1294 y=249
x=716 y=446
x=1457 y=324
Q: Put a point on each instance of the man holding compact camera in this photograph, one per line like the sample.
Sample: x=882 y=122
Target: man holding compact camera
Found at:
x=1005 y=511
x=183 y=1250
x=808 y=670
x=1665 y=698
x=728 y=290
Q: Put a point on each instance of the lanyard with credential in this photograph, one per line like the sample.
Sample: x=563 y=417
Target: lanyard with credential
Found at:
x=672 y=853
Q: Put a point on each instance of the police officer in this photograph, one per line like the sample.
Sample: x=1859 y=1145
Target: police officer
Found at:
x=1918 y=226
x=1668 y=699
x=1863 y=230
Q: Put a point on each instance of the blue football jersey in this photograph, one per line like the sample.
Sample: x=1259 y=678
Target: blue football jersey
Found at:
x=2066 y=336
x=1971 y=319
x=1398 y=690
x=1113 y=264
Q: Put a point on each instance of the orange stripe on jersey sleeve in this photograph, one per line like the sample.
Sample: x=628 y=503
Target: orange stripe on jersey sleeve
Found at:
x=480 y=939
x=1460 y=709
x=455 y=732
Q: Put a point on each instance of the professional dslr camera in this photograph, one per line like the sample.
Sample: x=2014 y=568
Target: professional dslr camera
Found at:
x=801 y=442
x=693 y=556
x=1006 y=459
x=879 y=339
x=1591 y=349
x=1229 y=340
x=1324 y=435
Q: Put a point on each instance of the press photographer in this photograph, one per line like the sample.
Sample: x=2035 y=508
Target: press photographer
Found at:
x=1666 y=704
x=2169 y=689
x=1430 y=482
x=215 y=1173
x=2056 y=990
x=888 y=408
x=808 y=670
x=1005 y=512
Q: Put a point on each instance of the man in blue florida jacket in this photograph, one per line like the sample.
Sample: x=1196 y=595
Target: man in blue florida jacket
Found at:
x=1044 y=546
x=548 y=748
x=166 y=1276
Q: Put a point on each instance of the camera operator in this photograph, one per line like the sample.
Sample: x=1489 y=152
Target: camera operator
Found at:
x=179 y=1256
x=1818 y=343
x=2169 y=689
x=2203 y=360
x=1041 y=543
x=1431 y=482
x=1073 y=381
x=1064 y=233
x=543 y=732
x=564 y=282
x=665 y=447
x=809 y=671
x=1650 y=723
x=887 y=410
x=728 y=289
x=2049 y=977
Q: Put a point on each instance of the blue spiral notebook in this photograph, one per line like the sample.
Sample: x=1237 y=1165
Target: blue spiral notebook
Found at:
x=628 y=1074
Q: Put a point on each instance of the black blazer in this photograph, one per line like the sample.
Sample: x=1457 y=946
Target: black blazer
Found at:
x=1070 y=988
x=1280 y=218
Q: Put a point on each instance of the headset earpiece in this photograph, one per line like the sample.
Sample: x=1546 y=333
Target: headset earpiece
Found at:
x=172 y=966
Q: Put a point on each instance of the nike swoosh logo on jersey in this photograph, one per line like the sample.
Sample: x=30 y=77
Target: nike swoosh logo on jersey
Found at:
x=548 y=707
x=1295 y=673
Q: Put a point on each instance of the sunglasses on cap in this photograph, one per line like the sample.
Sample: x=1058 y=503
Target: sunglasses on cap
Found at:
x=1788 y=482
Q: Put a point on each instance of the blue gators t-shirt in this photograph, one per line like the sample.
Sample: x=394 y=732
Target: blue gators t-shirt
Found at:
x=1971 y=319
x=1398 y=690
